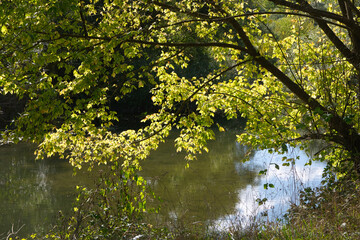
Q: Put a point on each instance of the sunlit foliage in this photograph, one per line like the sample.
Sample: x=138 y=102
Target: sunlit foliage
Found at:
x=69 y=59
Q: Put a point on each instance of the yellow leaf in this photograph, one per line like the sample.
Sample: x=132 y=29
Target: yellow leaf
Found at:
x=4 y=30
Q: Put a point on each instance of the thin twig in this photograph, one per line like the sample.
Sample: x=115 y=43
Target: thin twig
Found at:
x=13 y=233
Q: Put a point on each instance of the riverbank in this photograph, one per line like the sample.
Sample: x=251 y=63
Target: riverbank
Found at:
x=217 y=189
x=330 y=212
x=323 y=213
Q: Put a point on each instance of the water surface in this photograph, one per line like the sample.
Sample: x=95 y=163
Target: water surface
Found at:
x=32 y=192
x=217 y=189
x=221 y=190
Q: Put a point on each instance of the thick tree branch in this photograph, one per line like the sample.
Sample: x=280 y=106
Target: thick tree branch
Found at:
x=342 y=7
x=315 y=12
x=304 y=6
x=352 y=57
x=348 y=133
x=353 y=7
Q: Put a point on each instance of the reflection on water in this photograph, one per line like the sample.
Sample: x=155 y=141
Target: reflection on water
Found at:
x=207 y=190
x=217 y=188
x=32 y=192
x=287 y=181
x=220 y=189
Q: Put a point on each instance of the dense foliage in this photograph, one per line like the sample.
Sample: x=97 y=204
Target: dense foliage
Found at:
x=291 y=68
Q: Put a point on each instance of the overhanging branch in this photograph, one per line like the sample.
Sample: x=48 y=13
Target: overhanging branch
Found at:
x=316 y=13
x=318 y=136
x=190 y=44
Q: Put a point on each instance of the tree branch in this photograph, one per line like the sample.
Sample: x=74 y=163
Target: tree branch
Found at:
x=183 y=103
x=347 y=132
x=176 y=9
x=316 y=13
x=350 y=56
x=318 y=136
x=189 y=44
x=83 y=22
x=165 y=44
x=353 y=7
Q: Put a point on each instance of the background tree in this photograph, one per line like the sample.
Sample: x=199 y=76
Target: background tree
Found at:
x=291 y=88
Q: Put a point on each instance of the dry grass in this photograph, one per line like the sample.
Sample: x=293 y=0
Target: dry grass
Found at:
x=325 y=213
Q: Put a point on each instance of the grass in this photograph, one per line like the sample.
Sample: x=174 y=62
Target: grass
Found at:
x=327 y=213
x=331 y=212
x=324 y=213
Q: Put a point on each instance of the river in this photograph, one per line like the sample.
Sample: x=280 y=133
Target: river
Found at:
x=218 y=189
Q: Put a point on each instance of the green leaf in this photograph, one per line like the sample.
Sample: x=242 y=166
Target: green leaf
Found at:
x=263 y=172
x=284 y=147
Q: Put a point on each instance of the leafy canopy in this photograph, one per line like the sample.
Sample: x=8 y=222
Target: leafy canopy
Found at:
x=291 y=68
